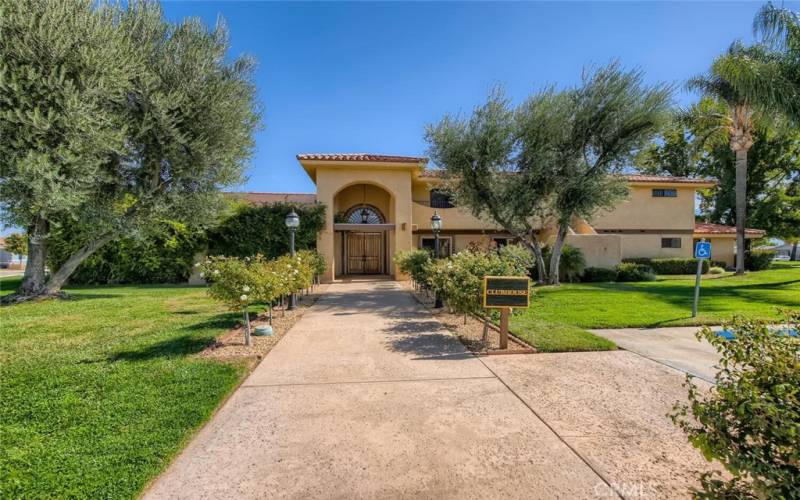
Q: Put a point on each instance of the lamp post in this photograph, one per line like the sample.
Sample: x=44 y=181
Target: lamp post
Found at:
x=292 y=222
x=436 y=226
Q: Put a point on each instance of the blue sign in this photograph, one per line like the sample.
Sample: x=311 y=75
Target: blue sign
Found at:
x=702 y=250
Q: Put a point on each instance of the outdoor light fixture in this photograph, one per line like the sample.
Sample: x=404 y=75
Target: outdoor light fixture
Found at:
x=436 y=226
x=436 y=222
x=292 y=222
x=364 y=215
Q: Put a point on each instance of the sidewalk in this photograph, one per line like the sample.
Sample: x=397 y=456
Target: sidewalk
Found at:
x=367 y=398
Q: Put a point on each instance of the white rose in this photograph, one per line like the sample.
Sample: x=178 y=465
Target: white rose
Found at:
x=197 y=265
x=216 y=272
x=243 y=298
x=245 y=288
x=295 y=271
x=202 y=275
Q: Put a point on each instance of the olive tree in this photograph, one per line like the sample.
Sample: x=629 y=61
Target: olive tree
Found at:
x=112 y=117
x=551 y=159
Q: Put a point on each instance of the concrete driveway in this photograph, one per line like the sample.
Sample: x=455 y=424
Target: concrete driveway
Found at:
x=368 y=397
x=676 y=347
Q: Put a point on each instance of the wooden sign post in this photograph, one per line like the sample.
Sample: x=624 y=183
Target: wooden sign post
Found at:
x=504 y=293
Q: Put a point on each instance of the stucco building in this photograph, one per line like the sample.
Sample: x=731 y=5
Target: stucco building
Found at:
x=378 y=205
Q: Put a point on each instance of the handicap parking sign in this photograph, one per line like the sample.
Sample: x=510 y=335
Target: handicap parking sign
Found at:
x=702 y=250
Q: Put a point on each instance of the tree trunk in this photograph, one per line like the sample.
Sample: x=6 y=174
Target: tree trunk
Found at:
x=793 y=255
x=555 y=257
x=533 y=246
x=741 y=207
x=61 y=276
x=34 y=279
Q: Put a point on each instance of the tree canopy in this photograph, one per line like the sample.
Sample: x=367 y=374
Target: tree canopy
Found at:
x=113 y=117
x=551 y=159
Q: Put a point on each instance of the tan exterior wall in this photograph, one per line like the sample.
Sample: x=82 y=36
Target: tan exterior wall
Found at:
x=723 y=249
x=452 y=218
x=599 y=250
x=642 y=211
x=359 y=194
x=649 y=245
x=396 y=182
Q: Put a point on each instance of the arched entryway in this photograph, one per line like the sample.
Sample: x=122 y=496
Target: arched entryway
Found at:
x=362 y=227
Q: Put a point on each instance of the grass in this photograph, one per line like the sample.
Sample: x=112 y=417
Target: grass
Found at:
x=99 y=392
x=667 y=301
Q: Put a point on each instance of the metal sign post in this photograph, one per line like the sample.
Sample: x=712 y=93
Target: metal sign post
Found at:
x=505 y=292
x=702 y=251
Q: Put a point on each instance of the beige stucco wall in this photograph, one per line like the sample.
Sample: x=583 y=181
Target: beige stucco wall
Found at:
x=723 y=249
x=642 y=211
x=360 y=194
x=335 y=179
x=452 y=218
x=599 y=250
x=649 y=245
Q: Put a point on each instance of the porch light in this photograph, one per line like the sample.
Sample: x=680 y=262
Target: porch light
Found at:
x=364 y=216
x=436 y=222
x=292 y=220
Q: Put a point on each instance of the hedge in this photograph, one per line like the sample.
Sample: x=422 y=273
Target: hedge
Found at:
x=671 y=265
x=253 y=230
x=165 y=255
x=759 y=260
x=631 y=271
x=599 y=275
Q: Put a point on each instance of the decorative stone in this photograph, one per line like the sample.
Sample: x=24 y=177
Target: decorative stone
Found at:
x=263 y=331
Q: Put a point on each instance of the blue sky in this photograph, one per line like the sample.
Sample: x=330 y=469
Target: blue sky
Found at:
x=367 y=77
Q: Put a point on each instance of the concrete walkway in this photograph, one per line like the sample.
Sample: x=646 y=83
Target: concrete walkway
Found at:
x=368 y=398
x=676 y=347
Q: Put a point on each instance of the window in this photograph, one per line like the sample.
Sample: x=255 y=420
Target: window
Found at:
x=665 y=193
x=670 y=242
x=501 y=242
x=440 y=199
x=364 y=214
x=429 y=243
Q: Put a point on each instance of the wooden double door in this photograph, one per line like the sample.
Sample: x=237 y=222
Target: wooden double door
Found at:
x=364 y=253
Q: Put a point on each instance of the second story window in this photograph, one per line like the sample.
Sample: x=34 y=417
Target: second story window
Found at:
x=440 y=199
x=665 y=193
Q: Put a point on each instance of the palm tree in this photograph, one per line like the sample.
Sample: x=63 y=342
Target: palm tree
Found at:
x=779 y=29
x=731 y=115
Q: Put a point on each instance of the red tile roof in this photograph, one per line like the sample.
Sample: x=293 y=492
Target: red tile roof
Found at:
x=709 y=228
x=360 y=157
x=666 y=179
x=438 y=173
x=266 y=198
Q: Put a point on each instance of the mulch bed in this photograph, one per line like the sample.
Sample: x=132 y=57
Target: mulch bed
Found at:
x=471 y=332
x=230 y=345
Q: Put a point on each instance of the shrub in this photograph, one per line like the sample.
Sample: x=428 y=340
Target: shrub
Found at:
x=629 y=271
x=414 y=263
x=523 y=257
x=570 y=267
x=759 y=260
x=459 y=279
x=599 y=274
x=234 y=282
x=716 y=270
x=164 y=253
x=252 y=230
x=750 y=419
x=719 y=263
x=671 y=265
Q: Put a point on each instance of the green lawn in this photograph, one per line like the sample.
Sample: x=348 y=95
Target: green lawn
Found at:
x=668 y=301
x=98 y=393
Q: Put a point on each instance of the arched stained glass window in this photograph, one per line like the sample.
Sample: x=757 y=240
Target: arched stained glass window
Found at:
x=365 y=214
